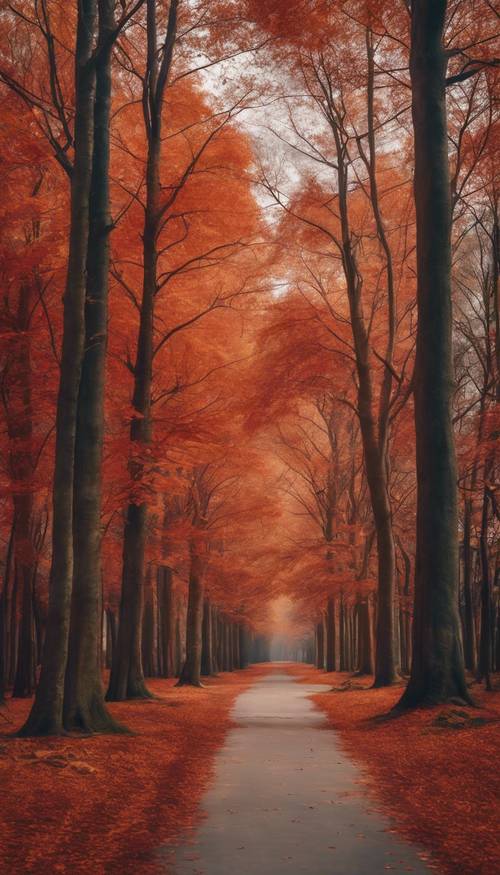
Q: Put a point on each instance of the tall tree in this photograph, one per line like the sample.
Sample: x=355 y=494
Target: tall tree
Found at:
x=168 y=230
x=84 y=706
x=127 y=679
x=437 y=673
x=46 y=716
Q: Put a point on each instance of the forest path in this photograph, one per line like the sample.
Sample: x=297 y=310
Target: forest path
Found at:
x=286 y=800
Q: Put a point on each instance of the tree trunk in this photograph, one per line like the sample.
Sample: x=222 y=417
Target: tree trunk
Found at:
x=84 y=706
x=330 y=634
x=46 y=716
x=220 y=645
x=23 y=658
x=39 y=621
x=24 y=682
x=215 y=639
x=469 y=629
x=309 y=651
x=6 y=598
x=404 y=612
x=19 y=415
x=127 y=680
x=110 y=636
x=403 y=636
x=437 y=673
x=243 y=645
x=13 y=626
x=485 y=637
x=230 y=645
x=374 y=429
x=342 y=659
x=148 y=636
x=365 y=648
x=127 y=676
x=2 y=648
x=229 y=648
x=320 y=639
x=207 y=667
x=348 y=638
x=235 y=645
x=178 y=647
x=167 y=620
x=191 y=670
x=4 y=628
x=497 y=639
x=376 y=446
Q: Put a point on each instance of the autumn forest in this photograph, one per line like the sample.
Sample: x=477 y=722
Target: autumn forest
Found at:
x=249 y=430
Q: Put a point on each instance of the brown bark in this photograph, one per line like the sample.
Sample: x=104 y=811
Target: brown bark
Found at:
x=364 y=638
x=228 y=648
x=486 y=629
x=437 y=673
x=220 y=642
x=13 y=626
x=24 y=681
x=167 y=620
x=215 y=639
x=148 y=632
x=84 y=707
x=19 y=413
x=222 y=645
x=127 y=676
x=469 y=627
x=127 y=680
x=2 y=648
x=207 y=665
x=236 y=646
x=497 y=638
x=374 y=428
x=320 y=644
x=6 y=600
x=110 y=636
x=243 y=645
x=46 y=716
x=376 y=445
x=225 y=651
x=348 y=638
x=374 y=423
x=191 y=670
x=178 y=647
x=404 y=611
x=330 y=634
x=342 y=635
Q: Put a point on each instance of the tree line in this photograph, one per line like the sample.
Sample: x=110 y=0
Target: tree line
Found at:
x=204 y=408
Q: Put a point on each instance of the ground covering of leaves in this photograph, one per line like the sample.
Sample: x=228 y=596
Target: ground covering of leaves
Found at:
x=434 y=771
x=106 y=804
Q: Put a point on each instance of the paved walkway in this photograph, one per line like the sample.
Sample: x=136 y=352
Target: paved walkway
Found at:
x=286 y=800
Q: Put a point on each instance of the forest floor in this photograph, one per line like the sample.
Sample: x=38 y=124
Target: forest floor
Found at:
x=433 y=770
x=102 y=804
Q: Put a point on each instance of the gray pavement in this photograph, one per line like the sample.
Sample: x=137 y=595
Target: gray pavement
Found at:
x=286 y=800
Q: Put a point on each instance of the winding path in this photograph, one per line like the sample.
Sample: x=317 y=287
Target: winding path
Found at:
x=286 y=800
